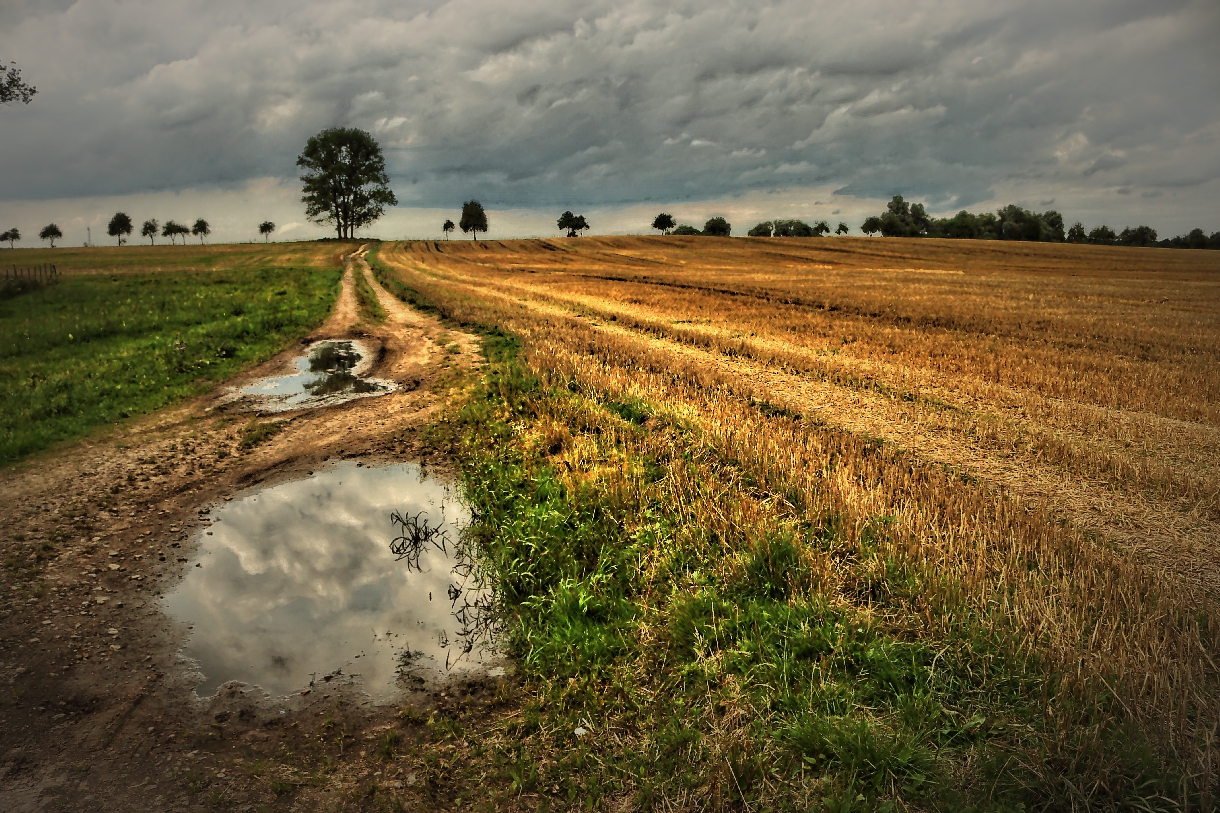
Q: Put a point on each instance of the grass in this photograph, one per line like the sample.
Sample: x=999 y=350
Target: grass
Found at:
x=721 y=597
x=367 y=303
x=105 y=344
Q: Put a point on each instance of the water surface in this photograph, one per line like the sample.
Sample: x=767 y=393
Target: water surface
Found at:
x=331 y=372
x=300 y=580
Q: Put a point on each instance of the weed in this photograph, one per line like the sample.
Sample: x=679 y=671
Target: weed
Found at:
x=256 y=431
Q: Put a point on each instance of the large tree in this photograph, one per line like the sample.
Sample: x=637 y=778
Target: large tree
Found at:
x=265 y=228
x=345 y=182
x=717 y=227
x=50 y=232
x=12 y=89
x=120 y=226
x=201 y=229
x=149 y=230
x=474 y=219
x=11 y=236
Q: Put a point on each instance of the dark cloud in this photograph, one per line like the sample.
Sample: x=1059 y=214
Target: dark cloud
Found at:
x=531 y=104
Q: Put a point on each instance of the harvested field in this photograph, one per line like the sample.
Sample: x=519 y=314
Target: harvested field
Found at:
x=1082 y=377
x=1017 y=443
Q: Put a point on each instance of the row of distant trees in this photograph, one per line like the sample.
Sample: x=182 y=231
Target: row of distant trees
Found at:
x=346 y=184
x=904 y=219
x=713 y=227
x=121 y=227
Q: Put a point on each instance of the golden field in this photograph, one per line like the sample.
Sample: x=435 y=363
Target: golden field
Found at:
x=1040 y=424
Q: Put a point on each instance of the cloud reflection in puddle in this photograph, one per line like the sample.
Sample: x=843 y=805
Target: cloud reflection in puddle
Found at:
x=298 y=580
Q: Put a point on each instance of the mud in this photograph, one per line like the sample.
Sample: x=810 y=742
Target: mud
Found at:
x=98 y=708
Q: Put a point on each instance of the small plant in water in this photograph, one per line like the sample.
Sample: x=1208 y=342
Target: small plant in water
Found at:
x=415 y=535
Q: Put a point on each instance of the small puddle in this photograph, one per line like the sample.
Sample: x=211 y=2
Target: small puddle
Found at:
x=333 y=371
x=354 y=568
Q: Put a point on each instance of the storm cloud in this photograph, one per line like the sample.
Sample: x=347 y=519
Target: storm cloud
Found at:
x=553 y=104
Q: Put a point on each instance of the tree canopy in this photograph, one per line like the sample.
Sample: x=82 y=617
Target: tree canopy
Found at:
x=201 y=229
x=12 y=89
x=790 y=228
x=50 y=232
x=717 y=227
x=265 y=229
x=447 y=227
x=149 y=230
x=473 y=220
x=572 y=224
x=172 y=229
x=345 y=182
x=120 y=226
x=903 y=219
x=664 y=223
x=11 y=236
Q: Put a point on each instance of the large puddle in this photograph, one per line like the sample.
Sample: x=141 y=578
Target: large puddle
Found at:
x=331 y=372
x=354 y=569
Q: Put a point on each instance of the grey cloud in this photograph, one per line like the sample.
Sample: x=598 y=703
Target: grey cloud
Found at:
x=535 y=104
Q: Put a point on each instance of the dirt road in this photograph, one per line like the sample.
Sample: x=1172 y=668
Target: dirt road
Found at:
x=97 y=709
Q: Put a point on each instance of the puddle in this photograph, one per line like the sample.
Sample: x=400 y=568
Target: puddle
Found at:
x=353 y=569
x=333 y=371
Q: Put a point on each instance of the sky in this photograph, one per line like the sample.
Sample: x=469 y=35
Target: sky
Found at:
x=1105 y=110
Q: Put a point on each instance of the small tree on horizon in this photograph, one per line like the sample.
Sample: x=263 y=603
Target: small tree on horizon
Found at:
x=572 y=224
x=50 y=232
x=201 y=229
x=664 y=222
x=119 y=226
x=717 y=227
x=843 y=228
x=345 y=182
x=265 y=228
x=172 y=229
x=1077 y=234
x=447 y=228
x=11 y=236
x=149 y=230
x=474 y=219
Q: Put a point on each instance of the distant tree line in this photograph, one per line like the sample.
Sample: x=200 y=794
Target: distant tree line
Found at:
x=903 y=219
x=794 y=228
x=121 y=227
x=713 y=227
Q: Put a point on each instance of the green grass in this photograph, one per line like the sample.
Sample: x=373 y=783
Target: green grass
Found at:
x=102 y=346
x=670 y=658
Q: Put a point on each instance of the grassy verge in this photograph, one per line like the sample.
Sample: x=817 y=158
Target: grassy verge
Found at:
x=690 y=641
x=100 y=347
x=367 y=303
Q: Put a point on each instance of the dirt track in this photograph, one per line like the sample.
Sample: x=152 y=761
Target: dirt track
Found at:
x=98 y=710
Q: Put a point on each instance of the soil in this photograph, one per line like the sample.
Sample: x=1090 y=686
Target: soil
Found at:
x=98 y=710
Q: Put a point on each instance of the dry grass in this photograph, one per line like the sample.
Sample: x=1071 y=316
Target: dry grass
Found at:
x=1049 y=419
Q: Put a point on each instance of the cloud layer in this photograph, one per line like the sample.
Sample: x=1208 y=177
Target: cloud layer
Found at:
x=599 y=104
